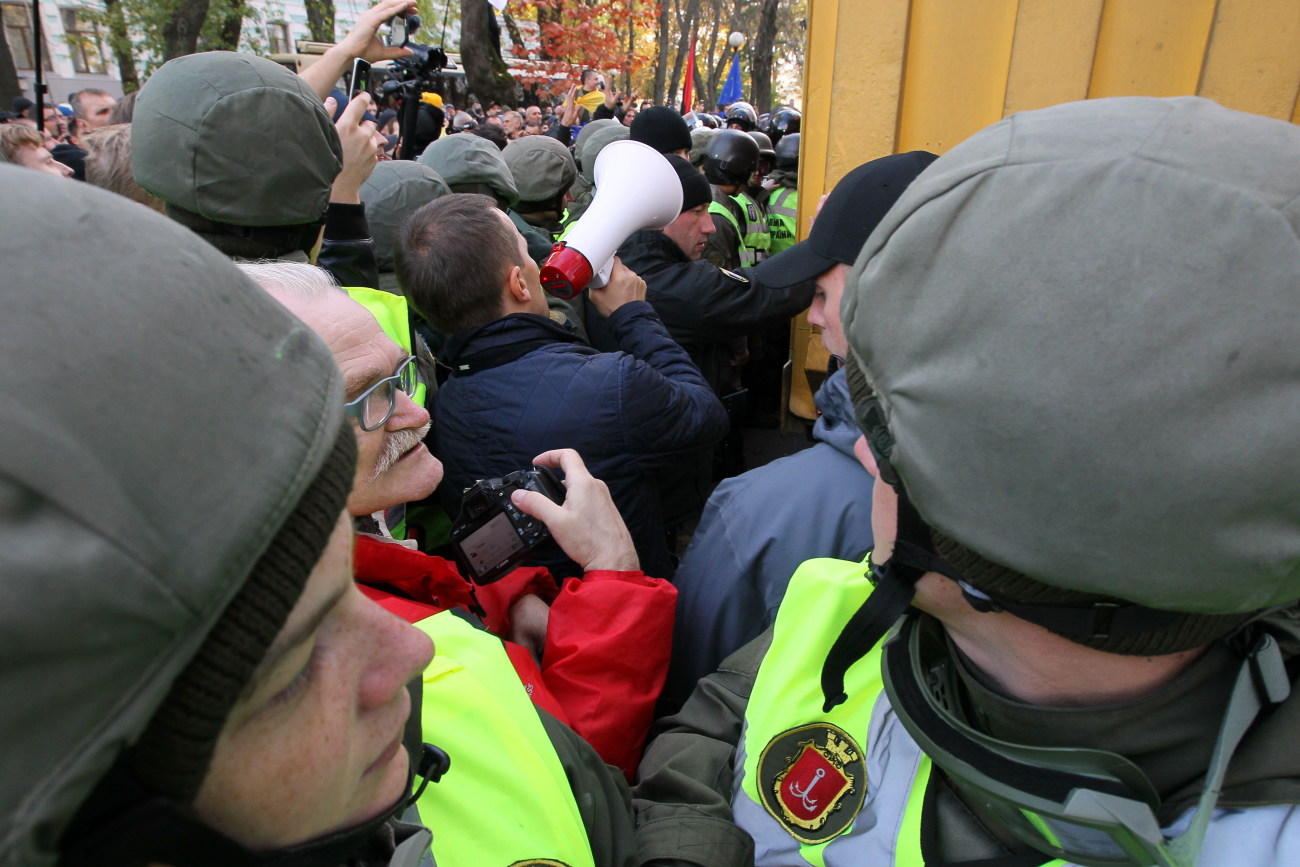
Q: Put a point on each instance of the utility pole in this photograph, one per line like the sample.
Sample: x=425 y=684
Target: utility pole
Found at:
x=39 y=79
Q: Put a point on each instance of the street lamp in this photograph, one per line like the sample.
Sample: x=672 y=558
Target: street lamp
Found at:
x=736 y=40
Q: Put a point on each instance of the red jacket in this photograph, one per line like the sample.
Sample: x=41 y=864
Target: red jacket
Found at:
x=608 y=637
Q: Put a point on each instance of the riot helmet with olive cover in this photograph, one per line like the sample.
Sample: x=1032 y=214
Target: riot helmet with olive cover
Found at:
x=470 y=164
x=395 y=190
x=176 y=457
x=230 y=141
x=1099 y=411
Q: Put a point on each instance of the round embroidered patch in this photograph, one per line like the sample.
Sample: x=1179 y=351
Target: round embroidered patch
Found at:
x=812 y=780
x=539 y=862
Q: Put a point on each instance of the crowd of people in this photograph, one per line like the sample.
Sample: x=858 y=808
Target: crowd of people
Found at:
x=1031 y=596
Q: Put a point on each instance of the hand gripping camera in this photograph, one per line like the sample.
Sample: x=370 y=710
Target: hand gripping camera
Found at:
x=491 y=536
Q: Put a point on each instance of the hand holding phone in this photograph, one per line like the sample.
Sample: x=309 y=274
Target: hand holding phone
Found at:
x=359 y=79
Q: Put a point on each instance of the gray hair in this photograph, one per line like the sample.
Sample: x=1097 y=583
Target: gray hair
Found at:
x=291 y=279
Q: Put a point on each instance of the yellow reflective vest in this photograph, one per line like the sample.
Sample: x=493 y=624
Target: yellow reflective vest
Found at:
x=822 y=789
x=505 y=800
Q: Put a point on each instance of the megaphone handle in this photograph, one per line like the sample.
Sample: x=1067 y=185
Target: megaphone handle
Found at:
x=601 y=278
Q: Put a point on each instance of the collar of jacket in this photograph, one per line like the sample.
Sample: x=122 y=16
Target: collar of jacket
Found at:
x=653 y=240
x=502 y=341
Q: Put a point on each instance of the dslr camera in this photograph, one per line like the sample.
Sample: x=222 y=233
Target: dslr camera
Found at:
x=491 y=536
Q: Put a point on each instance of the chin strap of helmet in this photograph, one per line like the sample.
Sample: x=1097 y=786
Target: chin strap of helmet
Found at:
x=159 y=829
x=1261 y=683
x=895 y=583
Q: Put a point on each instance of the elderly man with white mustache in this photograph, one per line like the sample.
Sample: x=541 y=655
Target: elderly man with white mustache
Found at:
x=600 y=674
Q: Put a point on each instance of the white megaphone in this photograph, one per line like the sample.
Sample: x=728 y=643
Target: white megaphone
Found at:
x=636 y=188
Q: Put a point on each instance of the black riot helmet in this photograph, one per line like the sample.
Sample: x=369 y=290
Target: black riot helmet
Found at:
x=787 y=152
x=731 y=158
x=697 y=119
x=766 y=156
x=784 y=122
x=743 y=115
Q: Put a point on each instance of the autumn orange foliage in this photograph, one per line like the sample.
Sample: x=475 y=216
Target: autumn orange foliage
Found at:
x=577 y=35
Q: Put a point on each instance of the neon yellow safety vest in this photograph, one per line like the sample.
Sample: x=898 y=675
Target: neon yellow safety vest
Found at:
x=395 y=318
x=783 y=219
x=505 y=798
x=804 y=776
x=754 y=237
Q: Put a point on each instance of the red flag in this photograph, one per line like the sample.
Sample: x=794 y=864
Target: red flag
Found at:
x=687 y=88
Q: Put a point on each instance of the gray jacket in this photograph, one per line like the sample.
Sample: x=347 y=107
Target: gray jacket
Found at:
x=755 y=530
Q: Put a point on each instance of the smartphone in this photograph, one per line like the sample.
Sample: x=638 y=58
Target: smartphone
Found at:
x=359 y=80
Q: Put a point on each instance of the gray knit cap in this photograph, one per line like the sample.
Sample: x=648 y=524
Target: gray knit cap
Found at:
x=1081 y=325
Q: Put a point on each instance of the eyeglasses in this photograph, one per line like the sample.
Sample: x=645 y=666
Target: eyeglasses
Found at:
x=377 y=403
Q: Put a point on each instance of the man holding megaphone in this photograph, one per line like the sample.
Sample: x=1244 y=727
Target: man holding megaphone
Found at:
x=521 y=384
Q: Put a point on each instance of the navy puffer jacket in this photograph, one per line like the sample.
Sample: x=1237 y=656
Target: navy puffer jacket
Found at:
x=522 y=385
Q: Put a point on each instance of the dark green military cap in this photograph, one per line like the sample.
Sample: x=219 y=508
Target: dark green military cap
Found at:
x=236 y=139
x=395 y=190
x=542 y=167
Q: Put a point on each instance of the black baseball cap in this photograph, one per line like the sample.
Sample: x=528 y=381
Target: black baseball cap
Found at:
x=852 y=211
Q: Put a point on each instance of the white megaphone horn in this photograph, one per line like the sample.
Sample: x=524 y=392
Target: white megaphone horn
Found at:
x=636 y=188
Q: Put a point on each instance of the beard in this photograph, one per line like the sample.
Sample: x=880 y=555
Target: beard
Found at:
x=397 y=445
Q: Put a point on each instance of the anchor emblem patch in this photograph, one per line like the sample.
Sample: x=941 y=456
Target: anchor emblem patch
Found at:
x=812 y=780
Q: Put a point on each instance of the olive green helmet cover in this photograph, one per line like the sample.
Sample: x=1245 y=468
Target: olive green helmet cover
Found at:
x=161 y=417
x=597 y=143
x=1082 y=327
x=464 y=158
x=236 y=139
x=541 y=166
x=584 y=135
x=395 y=190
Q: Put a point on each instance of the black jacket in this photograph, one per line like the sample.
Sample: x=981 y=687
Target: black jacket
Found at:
x=535 y=386
x=703 y=306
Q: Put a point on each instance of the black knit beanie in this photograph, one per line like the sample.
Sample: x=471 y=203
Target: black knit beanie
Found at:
x=695 y=187
x=173 y=753
x=661 y=127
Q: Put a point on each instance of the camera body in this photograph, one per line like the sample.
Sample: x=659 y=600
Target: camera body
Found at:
x=490 y=535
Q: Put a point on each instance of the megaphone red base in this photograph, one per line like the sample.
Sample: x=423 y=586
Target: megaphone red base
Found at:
x=566 y=272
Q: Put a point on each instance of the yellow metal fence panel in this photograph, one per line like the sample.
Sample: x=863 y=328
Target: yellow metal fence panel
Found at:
x=1151 y=47
x=958 y=54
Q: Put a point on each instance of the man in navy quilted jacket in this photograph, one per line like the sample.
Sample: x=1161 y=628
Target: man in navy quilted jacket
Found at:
x=520 y=384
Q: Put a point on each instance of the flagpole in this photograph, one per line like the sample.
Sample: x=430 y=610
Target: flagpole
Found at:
x=688 y=87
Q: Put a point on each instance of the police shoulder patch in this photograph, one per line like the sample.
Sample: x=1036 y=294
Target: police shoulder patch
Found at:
x=813 y=780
